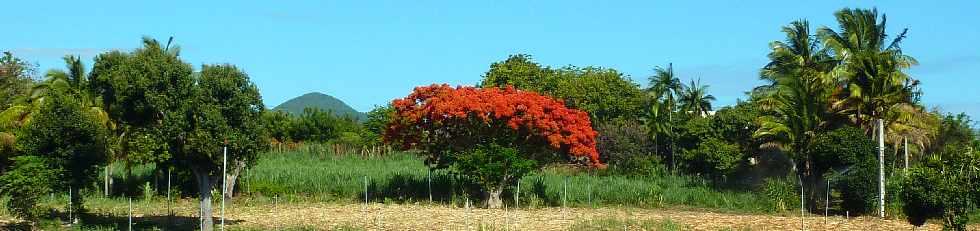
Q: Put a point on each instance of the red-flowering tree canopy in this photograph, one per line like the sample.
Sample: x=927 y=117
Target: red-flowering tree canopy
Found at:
x=440 y=119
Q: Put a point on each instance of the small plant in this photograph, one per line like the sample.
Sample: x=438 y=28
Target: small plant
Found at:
x=782 y=194
x=148 y=191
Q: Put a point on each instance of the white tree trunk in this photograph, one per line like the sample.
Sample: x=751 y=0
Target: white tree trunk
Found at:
x=204 y=186
x=881 y=168
x=493 y=198
x=232 y=176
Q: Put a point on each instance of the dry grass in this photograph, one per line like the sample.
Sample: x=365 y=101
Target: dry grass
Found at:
x=263 y=215
x=376 y=216
x=424 y=217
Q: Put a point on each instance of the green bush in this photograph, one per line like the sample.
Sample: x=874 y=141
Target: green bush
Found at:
x=850 y=156
x=27 y=180
x=712 y=157
x=627 y=148
x=859 y=188
x=782 y=194
x=944 y=186
x=492 y=167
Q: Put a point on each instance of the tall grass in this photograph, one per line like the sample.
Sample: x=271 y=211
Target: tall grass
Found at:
x=402 y=177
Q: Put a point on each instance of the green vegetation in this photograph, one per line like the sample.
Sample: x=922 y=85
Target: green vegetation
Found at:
x=315 y=100
x=551 y=136
x=402 y=177
x=610 y=224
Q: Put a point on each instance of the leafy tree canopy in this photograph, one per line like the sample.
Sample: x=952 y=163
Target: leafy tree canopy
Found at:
x=604 y=93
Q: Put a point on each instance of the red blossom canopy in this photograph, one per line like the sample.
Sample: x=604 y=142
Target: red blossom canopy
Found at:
x=431 y=109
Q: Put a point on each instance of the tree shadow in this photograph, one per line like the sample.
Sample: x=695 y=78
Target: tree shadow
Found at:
x=157 y=222
x=102 y=221
x=408 y=188
x=540 y=190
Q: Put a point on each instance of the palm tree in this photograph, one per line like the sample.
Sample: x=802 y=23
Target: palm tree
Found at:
x=664 y=90
x=75 y=82
x=798 y=99
x=694 y=99
x=873 y=69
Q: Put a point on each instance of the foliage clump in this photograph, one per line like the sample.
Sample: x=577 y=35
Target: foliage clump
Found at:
x=627 y=148
x=62 y=150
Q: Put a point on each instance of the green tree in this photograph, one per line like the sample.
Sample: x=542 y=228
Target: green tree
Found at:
x=69 y=140
x=713 y=157
x=25 y=183
x=377 y=119
x=694 y=99
x=664 y=90
x=846 y=156
x=605 y=93
x=16 y=77
x=943 y=186
x=626 y=146
x=797 y=101
x=519 y=71
x=228 y=109
x=317 y=125
x=176 y=117
x=872 y=70
x=278 y=125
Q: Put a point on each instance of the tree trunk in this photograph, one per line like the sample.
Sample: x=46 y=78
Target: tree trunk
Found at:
x=493 y=198
x=232 y=176
x=76 y=203
x=493 y=194
x=204 y=186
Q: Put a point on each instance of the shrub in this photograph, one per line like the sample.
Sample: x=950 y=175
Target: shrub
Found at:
x=943 y=187
x=627 y=148
x=859 y=188
x=847 y=146
x=848 y=152
x=782 y=194
x=28 y=179
x=69 y=139
x=712 y=157
x=492 y=167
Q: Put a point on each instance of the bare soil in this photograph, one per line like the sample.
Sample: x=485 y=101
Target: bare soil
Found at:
x=326 y=216
x=440 y=217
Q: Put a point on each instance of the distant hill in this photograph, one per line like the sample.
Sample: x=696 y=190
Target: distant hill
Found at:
x=322 y=101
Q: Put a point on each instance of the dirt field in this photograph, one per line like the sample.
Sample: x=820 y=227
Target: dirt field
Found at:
x=327 y=216
x=424 y=217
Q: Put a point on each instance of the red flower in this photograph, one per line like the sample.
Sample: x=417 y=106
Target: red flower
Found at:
x=440 y=114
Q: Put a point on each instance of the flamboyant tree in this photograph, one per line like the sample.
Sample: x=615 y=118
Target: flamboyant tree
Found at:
x=492 y=136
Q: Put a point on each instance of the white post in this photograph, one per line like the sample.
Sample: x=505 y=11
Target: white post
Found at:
x=69 y=204
x=170 y=211
x=802 y=204
x=826 y=205
x=224 y=183
x=564 y=197
x=517 y=196
x=130 y=214
x=106 y=183
x=905 y=145
x=430 y=185
x=881 y=168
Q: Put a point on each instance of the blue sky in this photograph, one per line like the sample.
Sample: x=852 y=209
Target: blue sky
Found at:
x=369 y=52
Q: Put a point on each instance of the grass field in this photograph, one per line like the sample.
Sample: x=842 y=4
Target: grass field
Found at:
x=403 y=178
